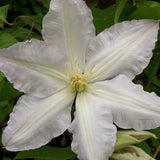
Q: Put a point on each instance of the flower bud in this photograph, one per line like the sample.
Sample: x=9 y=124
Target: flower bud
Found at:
x=131 y=153
x=125 y=138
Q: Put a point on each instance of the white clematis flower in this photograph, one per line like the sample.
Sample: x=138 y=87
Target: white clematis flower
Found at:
x=72 y=62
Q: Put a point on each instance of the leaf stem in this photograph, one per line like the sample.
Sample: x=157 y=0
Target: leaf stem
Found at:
x=156 y=152
x=22 y=16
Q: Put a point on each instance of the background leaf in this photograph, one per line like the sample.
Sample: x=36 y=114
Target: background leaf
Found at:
x=6 y=40
x=8 y=92
x=147 y=10
x=120 y=6
x=3 y=15
x=1 y=76
x=47 y=153
x=145 y=147
x=103 y=19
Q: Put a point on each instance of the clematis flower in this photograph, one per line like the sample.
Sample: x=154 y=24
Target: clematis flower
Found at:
x=73 y=64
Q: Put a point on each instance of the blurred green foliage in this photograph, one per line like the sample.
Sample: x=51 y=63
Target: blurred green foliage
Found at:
x=105 y=13
x=48 y=153
x=3 y=15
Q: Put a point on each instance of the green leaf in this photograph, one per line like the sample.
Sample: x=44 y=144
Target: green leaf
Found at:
x=8 y=97
x=156 y=81
x=127 y=11
x=46 y=4
x=155 y=142
x=8 y=92
x=2 y=82
x=3 y=103
x=5 y=108
x=147 y=10
x=37 y=18
x=6 y=40
x=3 y=15
x=5 y=158
x=21 y=34
x=16 y=26
x=154 y=89
x=119 y=9
x=47 y=153
x=103 y=19
x=145 y=147
x=156 y=132
x=1 y=76
x=153 y=67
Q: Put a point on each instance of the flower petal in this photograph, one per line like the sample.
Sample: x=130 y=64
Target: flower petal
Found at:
x=69 y=26
x=125 y=48
x=34 y=121
x=34 y=67
x=131 y=106
x=94 y=134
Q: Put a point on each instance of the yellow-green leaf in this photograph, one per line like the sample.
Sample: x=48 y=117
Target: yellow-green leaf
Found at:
x=3 y=15
x=147 y=10
x=6 y=40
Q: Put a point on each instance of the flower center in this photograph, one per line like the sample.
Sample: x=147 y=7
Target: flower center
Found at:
x=78 y=82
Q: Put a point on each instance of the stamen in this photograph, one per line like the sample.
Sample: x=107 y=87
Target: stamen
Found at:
x=78 y=82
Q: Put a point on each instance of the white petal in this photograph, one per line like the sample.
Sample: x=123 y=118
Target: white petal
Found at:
x=34 y=67
x=94 y=134
x=131 y=106
x=125 y=48
x=69 y=26
x=34 y=121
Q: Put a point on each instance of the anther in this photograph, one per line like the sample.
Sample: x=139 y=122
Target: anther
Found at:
x=78 y=82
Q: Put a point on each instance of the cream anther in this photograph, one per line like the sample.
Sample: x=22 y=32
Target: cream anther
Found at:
x=78 y=82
